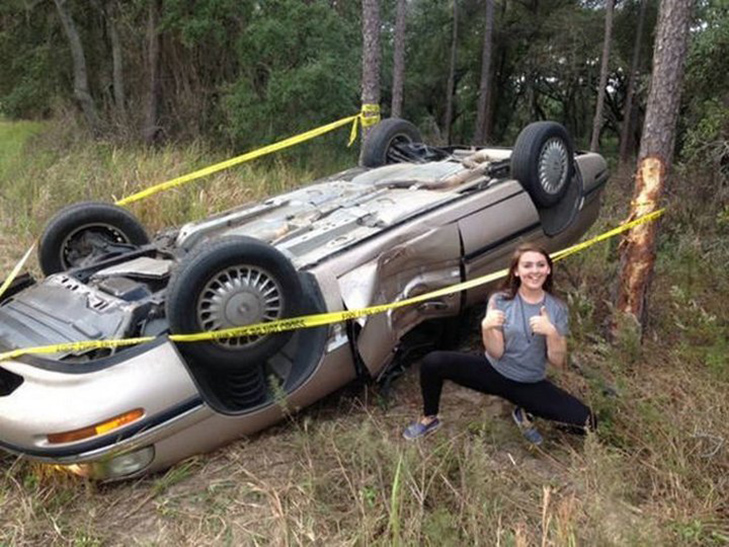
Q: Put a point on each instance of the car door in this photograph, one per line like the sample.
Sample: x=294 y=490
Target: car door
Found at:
x=490 y=233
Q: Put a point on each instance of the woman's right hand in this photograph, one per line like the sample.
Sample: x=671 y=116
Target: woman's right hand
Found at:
x=491 y=333
x=494 y=319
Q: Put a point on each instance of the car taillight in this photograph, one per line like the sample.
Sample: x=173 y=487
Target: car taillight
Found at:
x=98 y=429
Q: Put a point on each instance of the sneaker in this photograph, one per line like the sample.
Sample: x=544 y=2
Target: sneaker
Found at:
x=416 y=429
x=524 y=420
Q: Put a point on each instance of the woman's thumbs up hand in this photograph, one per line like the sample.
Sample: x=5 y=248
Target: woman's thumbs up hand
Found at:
x=542 y=324
x=494 y=318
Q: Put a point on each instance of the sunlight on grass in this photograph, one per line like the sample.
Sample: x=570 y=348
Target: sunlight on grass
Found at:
x=39 y=176
x=13 y=137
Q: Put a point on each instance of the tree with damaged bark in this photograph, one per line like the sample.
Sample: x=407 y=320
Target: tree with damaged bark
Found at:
x=370 y=56
x=597 y=122
x=638 y=248
x=481 y=133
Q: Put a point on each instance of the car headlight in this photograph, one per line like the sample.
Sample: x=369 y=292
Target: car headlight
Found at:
x=116 y=467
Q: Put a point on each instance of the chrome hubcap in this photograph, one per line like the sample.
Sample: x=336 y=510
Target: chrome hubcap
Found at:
x=237 y=296
x=553 y=166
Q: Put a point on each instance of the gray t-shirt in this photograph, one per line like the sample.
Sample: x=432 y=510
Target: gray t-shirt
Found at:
x=525 y=353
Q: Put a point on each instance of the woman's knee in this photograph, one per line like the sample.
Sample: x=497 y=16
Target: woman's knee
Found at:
x=434 y=362
x=580 y=420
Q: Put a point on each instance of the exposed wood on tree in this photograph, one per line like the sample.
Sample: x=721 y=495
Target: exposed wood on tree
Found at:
x=370 y=55
x=152 y=131
x=398 y=68
x=80 y=74
x=637 y=252
x=597 y=121
x=448 y=121
x=626 y=132
x=481 y=133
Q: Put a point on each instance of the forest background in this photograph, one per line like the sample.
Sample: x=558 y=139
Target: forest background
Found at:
x=173 y=85
x=242 y=73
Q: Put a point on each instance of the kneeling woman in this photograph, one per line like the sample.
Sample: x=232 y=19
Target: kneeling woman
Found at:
x=525 y=328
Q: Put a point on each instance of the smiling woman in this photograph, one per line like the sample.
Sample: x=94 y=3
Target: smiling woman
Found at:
x=524 y=330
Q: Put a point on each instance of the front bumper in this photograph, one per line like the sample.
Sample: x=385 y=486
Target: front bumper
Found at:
x=57 y=397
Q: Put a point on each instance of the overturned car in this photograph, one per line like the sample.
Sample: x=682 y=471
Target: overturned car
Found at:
x=411 y=219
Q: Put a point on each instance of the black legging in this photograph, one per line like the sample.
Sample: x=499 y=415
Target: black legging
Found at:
x=542 y=398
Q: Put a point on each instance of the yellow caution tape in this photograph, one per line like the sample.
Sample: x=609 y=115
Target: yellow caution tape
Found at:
x=369 y=113
x=559 y=255
x=16 y=270
x=309 y=321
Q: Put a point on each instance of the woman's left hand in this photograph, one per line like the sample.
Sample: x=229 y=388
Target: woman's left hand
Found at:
x=541 y=324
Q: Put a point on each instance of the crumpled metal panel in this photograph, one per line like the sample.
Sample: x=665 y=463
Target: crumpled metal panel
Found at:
x=428 y=262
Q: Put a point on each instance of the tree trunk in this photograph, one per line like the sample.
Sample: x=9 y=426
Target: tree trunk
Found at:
x=637 y=252
x=597 y=122
x=80 y=74
x=117 y=62
x=451 y=77
x=152 y=131
x=481 y=133
x=398 y=62
x=626 y=131
x=370 y=56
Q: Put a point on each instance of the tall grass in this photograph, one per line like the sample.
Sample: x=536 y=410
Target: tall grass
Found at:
x=655 y=473
x=42 y=171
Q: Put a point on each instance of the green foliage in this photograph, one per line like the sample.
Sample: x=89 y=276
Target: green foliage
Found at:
x=301 y=70
x=706 y=120
x=207 y=23
x=696 y=532
x=248 y=72
x=29 y=59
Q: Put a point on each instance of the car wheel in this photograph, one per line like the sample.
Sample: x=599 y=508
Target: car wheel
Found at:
x=86 y=230
x=232 y=282
x=381 y=145
x=543 y=161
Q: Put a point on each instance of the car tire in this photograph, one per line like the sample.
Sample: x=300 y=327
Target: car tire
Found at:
x=377 y=149
x=543 y=162
x=231 y=282
x=65 y=242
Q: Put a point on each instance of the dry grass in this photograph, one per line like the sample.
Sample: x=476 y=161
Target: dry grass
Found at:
x=655 y=473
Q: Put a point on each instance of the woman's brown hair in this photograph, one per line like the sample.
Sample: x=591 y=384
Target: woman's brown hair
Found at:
x=512 y=281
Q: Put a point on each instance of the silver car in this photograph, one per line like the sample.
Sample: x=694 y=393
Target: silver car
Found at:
x=411 y=219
